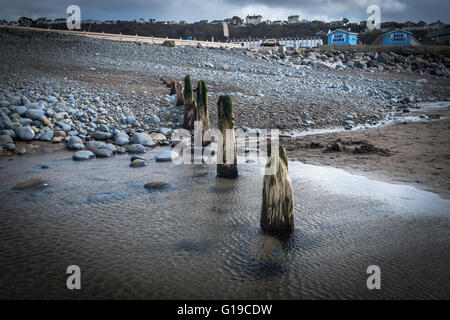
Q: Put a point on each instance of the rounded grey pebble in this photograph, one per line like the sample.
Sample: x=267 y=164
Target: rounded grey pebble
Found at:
x=83 y=155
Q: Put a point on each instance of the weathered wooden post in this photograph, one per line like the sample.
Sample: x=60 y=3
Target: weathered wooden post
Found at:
x=173 y=89
x=202 y=107
x=228 y=167
x=190 y=108
x=180 y=93
x=277 y=213
x=166 y=81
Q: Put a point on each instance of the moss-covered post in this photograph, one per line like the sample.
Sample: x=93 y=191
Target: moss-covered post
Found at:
x=277 y=213
x=190 y=108
x=202 y=107
x=180 y=93
x=228 y=167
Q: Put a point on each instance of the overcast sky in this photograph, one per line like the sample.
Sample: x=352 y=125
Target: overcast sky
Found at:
x=194 y=10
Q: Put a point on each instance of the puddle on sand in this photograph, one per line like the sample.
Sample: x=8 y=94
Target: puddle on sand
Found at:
x=201 y=238
x=407 y=198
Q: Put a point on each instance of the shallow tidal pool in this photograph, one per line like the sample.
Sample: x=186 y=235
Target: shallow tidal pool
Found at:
x=199 y=236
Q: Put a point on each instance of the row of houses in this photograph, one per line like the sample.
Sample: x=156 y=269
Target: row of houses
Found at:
x=249 y=20
x=411 y=26
x=237 y=21
x=385 y=26
x=258 y=19
x=26 y=22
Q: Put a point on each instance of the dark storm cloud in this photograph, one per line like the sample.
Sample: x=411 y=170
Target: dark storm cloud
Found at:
x=400 y=10
x=192 y=10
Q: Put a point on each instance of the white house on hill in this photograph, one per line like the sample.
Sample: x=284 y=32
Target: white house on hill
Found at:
x=294 y=19
x=253 y=19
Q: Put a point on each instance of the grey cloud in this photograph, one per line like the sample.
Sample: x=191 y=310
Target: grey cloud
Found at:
x=192 y=10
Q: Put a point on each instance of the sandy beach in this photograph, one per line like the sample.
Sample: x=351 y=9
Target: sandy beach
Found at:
x=412 y=152
x=88 y=178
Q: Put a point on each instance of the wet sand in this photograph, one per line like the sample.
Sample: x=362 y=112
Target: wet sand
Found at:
x=199 y=238
x=416 y=153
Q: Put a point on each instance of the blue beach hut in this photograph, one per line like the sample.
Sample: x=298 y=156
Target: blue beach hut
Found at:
x=342 y=37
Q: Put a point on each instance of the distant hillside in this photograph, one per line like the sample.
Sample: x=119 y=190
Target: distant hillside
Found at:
x=205 y=31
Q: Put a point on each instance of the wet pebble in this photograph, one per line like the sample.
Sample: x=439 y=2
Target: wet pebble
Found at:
x=103 y=153
x=25 y=133
x=28 y=184
x=135 y=157
x=136 y=148
x=83 y=155
x=156 y=185
x=137 y=163
x=166 y=156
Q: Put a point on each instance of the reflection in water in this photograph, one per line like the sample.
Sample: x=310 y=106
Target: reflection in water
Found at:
x=267 y=248
x=200 y=237
x=341 y=182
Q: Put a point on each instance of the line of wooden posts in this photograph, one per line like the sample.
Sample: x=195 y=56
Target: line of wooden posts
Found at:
x=277 y=213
